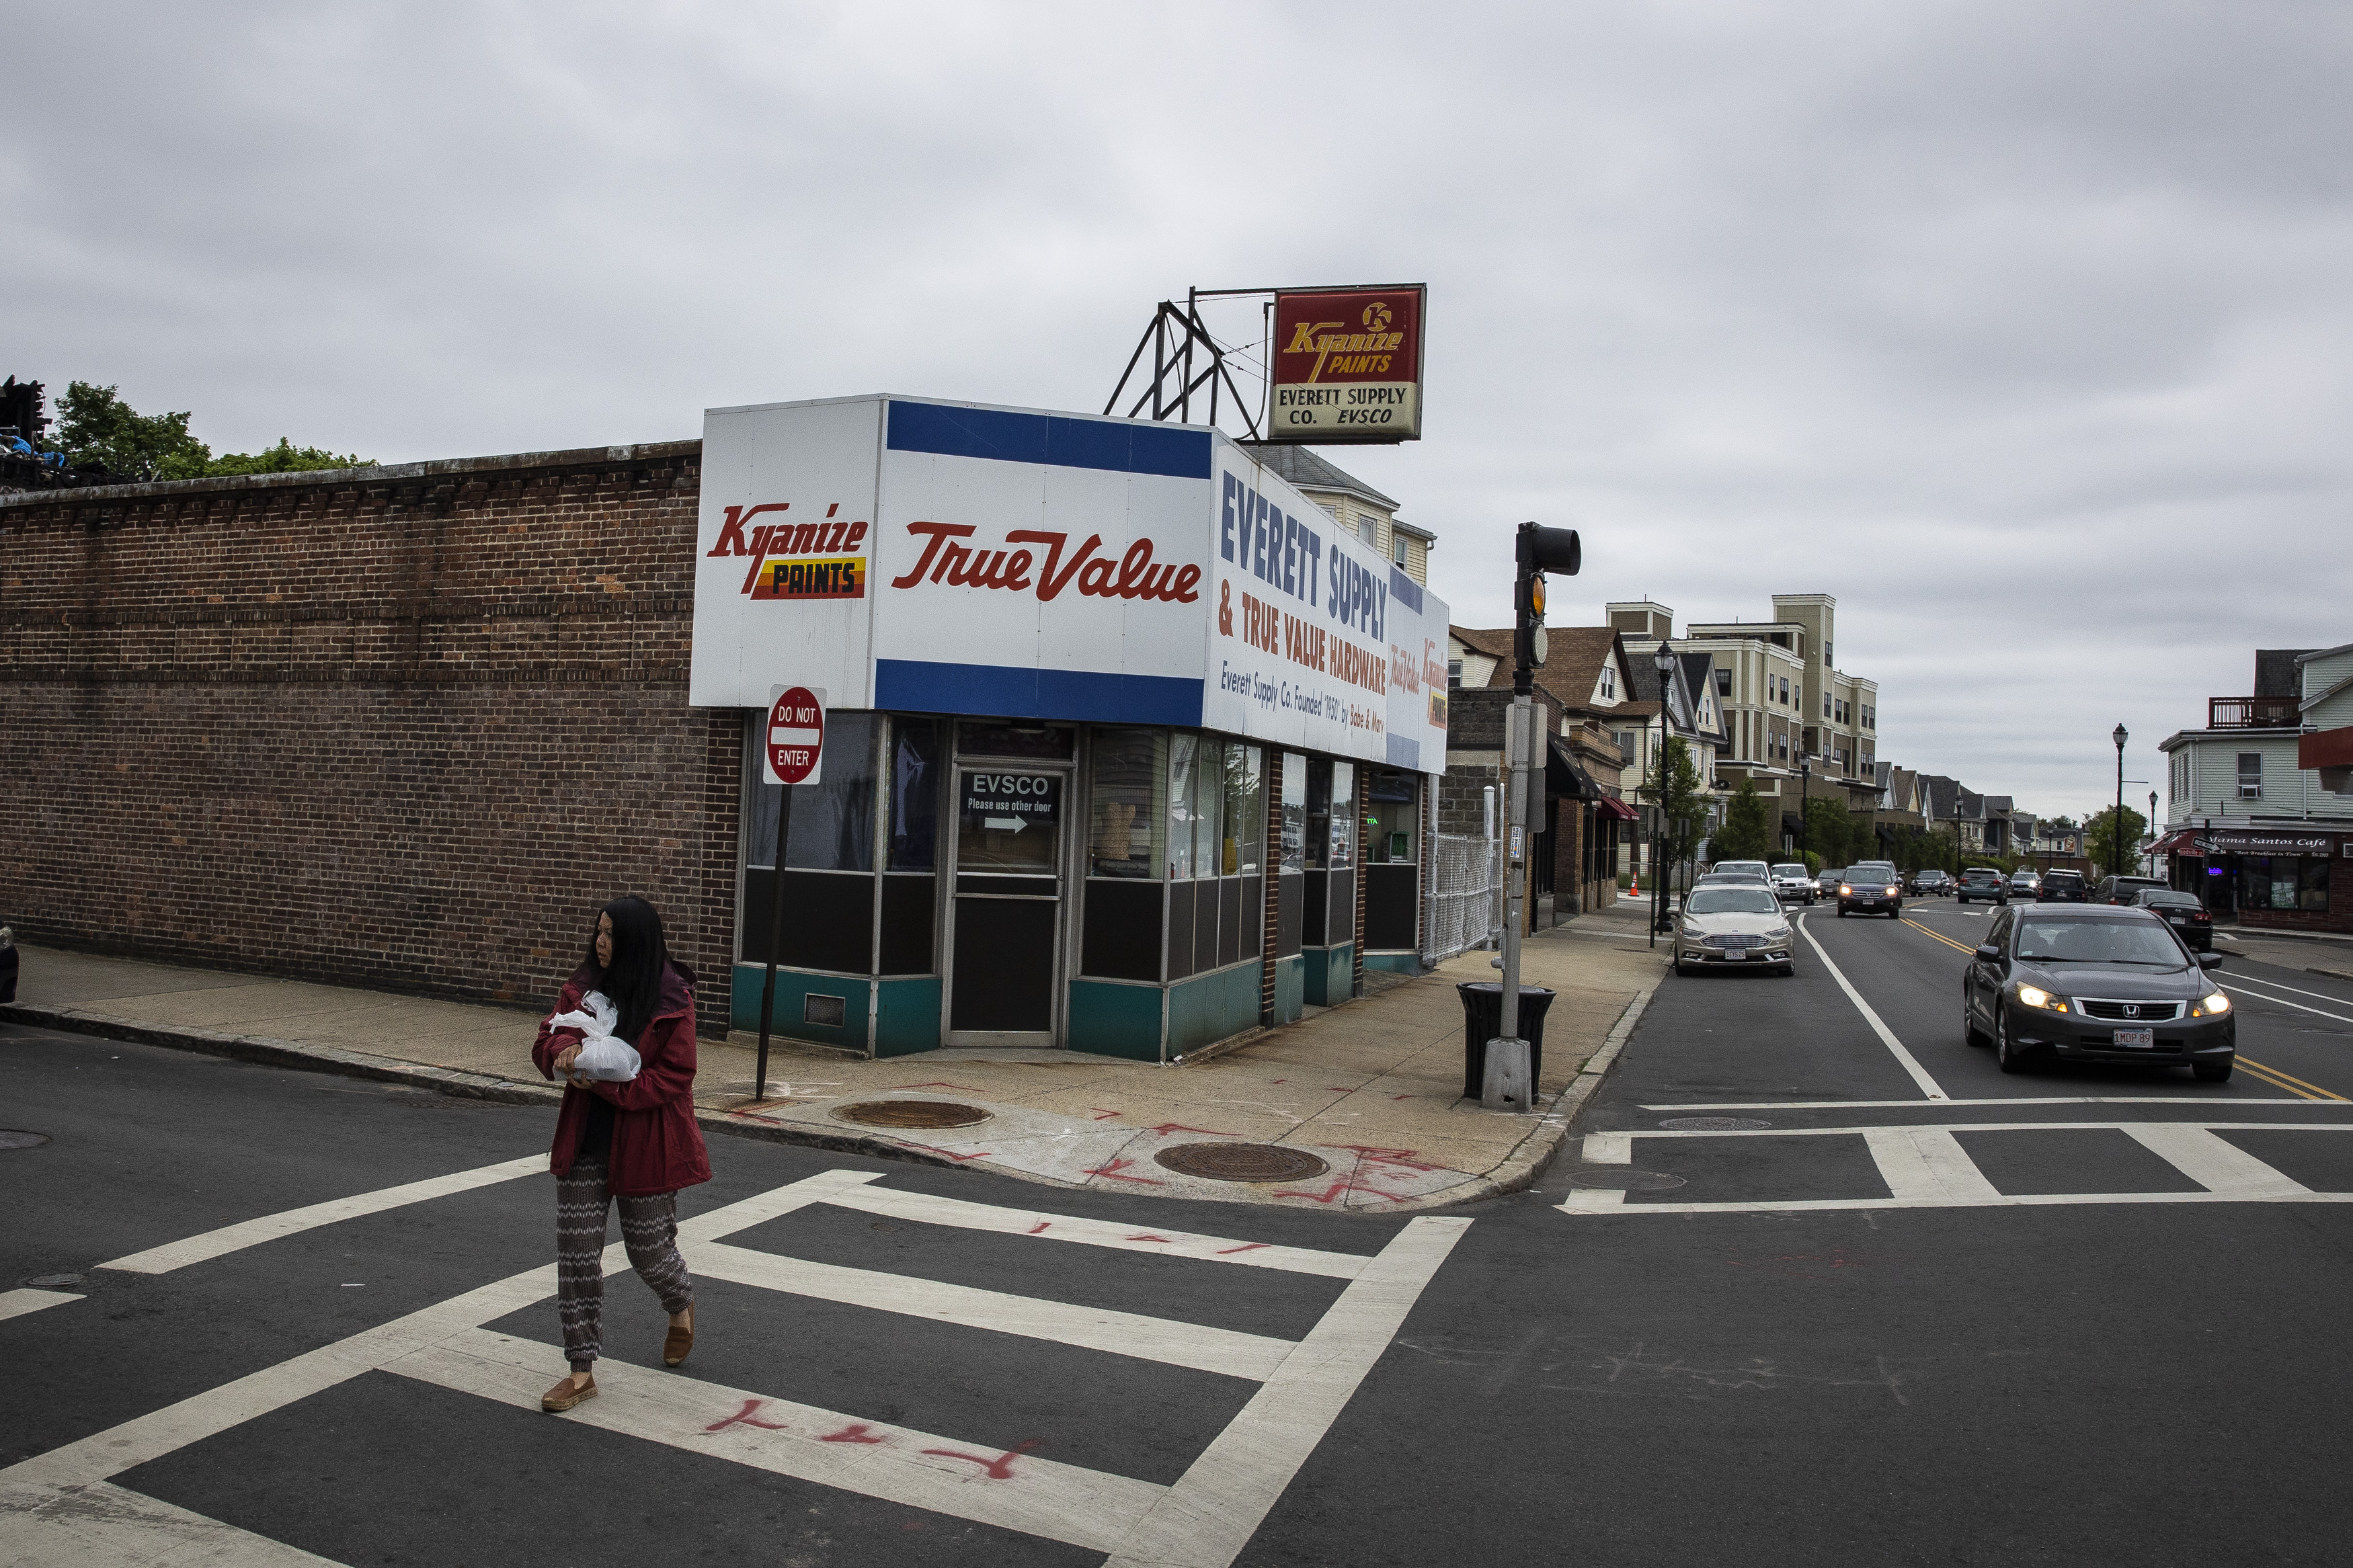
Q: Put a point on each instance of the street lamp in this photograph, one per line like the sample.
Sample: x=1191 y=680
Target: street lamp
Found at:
x=2152 y=830
x=2116 y=828
x=1805 y=797
x=1663 y=659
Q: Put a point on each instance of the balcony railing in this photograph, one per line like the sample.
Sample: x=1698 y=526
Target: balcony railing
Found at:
x=2251 y=713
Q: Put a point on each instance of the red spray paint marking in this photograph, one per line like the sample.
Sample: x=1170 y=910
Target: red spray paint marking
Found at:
x=1246 y=1246
x=745 y=1418
x=1400 y=1096
x=1282 y=1080
x=1039 y=1227
x=1166 y=1128
x=959 y=1088
x=856 y=1432
x=1322 y=1197
x=1147 y=1236
x=952 y=1155
x=999 y=1469
x=1116 y=1166
x=1403 y=1158
x=1103 y=1115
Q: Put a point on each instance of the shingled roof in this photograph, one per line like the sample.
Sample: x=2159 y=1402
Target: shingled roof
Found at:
x=1309 y=472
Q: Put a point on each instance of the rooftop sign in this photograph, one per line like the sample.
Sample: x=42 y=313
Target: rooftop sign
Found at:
x=1348 y=365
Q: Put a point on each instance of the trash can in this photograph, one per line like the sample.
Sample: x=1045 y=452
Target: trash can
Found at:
x=1483 y=1020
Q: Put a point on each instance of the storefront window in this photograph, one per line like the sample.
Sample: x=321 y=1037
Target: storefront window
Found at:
x=1245 y=824
x=833 y=822
x=1129 y=800
x=1343 y=816
x=1294 y=811
x=1319 y=813
x=914 y=794
x=1196 y=794
x=1392 y=817
x=2284 y=882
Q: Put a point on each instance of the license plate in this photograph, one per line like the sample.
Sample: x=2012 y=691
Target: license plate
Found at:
x=2140 y=1037
x=2179 y=919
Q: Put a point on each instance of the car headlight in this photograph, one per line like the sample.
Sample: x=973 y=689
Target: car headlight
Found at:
x=1894 y=890
x=2035 y=996
x=1692 y=933
x=2213 y=1006
x=1845 y=889
x=1778 y=933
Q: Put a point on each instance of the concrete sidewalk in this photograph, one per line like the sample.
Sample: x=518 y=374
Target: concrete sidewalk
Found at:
x=1370 y=1089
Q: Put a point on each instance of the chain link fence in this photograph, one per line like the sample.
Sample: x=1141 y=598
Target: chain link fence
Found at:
x=1465 y=896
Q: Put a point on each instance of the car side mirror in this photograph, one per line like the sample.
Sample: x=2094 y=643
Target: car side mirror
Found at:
x=2210 y=960
x=1989 y=952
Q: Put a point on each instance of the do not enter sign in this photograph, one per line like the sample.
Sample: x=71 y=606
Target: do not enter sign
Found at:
x=794 y=744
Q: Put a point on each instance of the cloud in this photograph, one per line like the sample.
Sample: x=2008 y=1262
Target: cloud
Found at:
x=2020 y=328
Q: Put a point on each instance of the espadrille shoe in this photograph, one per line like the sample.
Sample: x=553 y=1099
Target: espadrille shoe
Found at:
x=678 y=1342
x=567 y=1393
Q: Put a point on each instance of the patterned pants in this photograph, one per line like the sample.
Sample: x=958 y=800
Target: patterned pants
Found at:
x=648 y=1233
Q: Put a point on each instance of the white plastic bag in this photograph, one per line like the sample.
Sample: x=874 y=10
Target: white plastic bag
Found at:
x=602 y=1055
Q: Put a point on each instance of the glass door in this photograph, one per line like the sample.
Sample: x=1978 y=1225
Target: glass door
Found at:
x=1005 y=919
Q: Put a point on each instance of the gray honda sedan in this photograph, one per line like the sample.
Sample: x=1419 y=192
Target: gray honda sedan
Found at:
x=2094 y=982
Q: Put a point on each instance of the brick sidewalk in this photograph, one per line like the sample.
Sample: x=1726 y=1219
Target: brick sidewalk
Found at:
x=1371 y=1088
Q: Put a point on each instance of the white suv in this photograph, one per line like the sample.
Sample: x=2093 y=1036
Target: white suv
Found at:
x=1794 y=881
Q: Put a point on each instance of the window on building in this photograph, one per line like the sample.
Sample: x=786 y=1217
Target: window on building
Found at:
x=1124 y=837
x=1245 y=812
x=2251 y=776
x=1396 y=549
x=1368 y=527
x=1454 y=672
x=833 y=821
x=1724 y=683
x=2284 y=882
x=1610 y=679
x=1826 y=704
x=914 y=793
x=1196 y=793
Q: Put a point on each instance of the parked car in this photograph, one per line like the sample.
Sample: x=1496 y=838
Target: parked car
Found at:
x=1981 y=882
x=1932 y=883
x=1873 y=887
x=2025 y=883
x=2185 y=912
x=1794 y=881
x=1826 y=885
x=2120 y=889
x=1733 y=922
x=2062 y=887
x=2096 y=983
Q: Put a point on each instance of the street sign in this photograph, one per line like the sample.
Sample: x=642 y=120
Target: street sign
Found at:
x=1008 y=803
x=795 y=745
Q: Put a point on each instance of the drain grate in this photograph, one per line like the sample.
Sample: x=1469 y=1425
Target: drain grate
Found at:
x=54 y=1281
x=1622 y=1179
x=1241 y=1161
x=1712 y=1123
x=923 y=1114
x=11 y=1139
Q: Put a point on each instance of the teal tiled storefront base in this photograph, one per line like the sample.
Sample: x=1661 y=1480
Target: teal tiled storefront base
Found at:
x=1290 y=989
x=1109 y=1019
x=907 y=1011
x=1401 y=963
x=907 y=1015
x=1331 y=974
x=1212 y=1007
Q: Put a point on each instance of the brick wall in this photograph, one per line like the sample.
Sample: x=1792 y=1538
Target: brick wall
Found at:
x=402 y=727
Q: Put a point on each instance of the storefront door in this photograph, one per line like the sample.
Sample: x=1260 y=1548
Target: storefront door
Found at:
x=1004 y=920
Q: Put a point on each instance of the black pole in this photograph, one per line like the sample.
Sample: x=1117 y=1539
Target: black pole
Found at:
x=775 y=924
x=2116 y=826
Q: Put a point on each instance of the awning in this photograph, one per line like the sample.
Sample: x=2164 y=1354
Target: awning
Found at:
x=2177 y=842
x=1562 y=777
x=1611 y=806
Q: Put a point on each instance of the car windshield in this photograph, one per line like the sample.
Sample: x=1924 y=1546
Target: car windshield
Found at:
x=1980 y=875
x=2097 y=941
x=1882 y=872
x=1791 y=871
x=1732 y=901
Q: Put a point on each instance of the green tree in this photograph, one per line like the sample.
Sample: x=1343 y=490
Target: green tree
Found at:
x=2100 y=839
x=1673 y=786
x=97 y=428
x=1830 y=830
x=1743 y=835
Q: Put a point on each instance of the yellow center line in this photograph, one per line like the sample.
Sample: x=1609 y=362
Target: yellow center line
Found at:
x=2289 y=1081
x=1941 y=936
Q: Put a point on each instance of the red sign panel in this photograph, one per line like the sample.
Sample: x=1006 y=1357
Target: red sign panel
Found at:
x=795 y=742
x=1348 y=365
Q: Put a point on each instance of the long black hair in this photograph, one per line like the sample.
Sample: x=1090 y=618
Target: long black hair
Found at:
x=633 y=980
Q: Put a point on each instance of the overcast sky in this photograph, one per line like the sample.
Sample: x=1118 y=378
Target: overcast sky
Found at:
x=2025 y=330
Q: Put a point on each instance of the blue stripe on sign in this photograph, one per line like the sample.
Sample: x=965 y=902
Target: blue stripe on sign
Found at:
x=1403 y=752
x=1054 y=438
x=1405 y=590
x=1008 y=691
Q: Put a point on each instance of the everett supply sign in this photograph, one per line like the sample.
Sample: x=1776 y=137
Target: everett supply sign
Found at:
x=1348 y=365
x=1022 y=565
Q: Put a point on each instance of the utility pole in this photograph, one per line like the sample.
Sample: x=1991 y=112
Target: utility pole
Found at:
x=1509 y=1083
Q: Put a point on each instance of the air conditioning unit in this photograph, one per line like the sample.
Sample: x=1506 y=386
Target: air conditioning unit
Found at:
x=2251 y=791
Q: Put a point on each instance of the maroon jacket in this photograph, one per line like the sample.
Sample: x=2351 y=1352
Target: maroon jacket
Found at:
x=656 y=1147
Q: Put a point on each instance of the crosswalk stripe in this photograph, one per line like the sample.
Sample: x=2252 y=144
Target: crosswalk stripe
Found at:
x=1926 y=1164
x=2213 y=1163
x=1195 y=1345
x=17 y=1303
x=235 y=1237
x=107 y=1526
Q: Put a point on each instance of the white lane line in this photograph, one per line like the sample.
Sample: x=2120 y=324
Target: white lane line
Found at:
x=1586 y=1201
x=1886 y=1036
x=17 y=1303
x=924 y=1207
x=230 y=1239
x=1211 y=1514
x=1665 y=1132
x=824 y=1188
x=1087 y=1509
x=2205 y=1099
x=2267 y=980
x=2218 y=1167
x=1195 y=1345
x=106 y=1526
x=2238 y=987
x=1927 y=1165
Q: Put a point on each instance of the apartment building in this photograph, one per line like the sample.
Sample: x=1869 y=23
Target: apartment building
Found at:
x=1353 y=504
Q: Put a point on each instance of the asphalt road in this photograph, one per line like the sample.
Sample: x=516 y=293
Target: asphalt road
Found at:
x=2055 y=1345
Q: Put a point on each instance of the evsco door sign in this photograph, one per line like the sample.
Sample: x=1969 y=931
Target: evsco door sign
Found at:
x=1011 y=801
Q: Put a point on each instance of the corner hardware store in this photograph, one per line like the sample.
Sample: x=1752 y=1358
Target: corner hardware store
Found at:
x=1128 y=750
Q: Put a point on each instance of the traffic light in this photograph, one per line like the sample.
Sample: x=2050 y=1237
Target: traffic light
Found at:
x=1537 y=550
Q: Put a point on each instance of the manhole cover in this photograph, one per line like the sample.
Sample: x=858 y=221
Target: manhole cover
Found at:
x=1622 y=1178
x=1712 y=1123
x=1242 y=1162
x=54 y=1281
x=10 y=1138
x=911 y=1113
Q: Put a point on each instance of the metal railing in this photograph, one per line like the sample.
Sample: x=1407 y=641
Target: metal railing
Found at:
x=1465 y=896
x=2252 y=713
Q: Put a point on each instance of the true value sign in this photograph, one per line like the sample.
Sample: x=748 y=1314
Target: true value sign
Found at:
x=795 y=742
